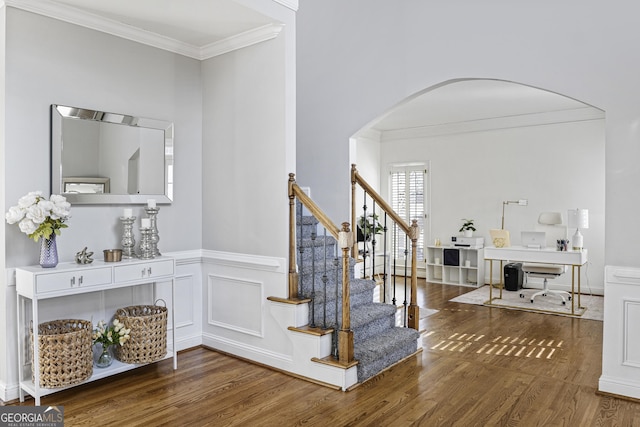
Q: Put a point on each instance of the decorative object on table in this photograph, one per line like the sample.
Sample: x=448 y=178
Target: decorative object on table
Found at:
x=152 y=212
x=562 y=244
x=128 y=238
x=84 y=257
x=467 y=228
x=112 y=255
x=105 y=336
x=578 y=218
x=500 y=238
x=146 y=251
x=148 y=325
x=41 y=219
x=521 y=202
x=65 y=355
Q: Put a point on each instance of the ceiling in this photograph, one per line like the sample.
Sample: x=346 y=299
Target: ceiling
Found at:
x=201 y=23
x=481 y=100
x=194 y=22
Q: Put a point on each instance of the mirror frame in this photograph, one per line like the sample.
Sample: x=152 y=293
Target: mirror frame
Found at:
x=61 y=112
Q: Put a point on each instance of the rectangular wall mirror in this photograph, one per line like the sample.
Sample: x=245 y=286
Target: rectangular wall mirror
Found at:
x=110 y=158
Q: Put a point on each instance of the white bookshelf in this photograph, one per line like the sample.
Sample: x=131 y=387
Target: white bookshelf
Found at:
x=467 y=270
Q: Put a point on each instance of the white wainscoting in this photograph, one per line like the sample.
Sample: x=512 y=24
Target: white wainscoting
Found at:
x=225 y=292
x=242 y=321
x=188 y=299
x=620 y=343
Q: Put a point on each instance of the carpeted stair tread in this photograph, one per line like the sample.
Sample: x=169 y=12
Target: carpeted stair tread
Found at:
x=384 y=342
x=364 y=314
x=357 y=286
x=384 y=350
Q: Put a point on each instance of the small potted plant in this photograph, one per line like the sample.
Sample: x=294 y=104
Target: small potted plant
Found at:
x=368 y=226
x=467 y=228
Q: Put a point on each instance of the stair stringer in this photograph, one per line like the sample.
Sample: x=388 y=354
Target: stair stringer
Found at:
x=307 y=346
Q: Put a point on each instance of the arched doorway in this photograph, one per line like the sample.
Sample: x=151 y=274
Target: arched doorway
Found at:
x=485 y=141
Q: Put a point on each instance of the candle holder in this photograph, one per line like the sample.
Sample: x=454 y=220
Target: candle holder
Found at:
x=145 y=244
x=128 y=238
x=153 y=213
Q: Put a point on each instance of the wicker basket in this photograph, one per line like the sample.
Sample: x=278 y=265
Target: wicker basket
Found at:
x=148 y=336
x=65 y=352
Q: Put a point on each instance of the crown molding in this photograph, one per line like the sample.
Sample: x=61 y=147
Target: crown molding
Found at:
x=524 y=120
x=239 y=41
x=92 y=21
x=291 y=4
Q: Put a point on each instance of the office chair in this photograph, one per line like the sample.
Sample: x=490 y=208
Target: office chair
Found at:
x=548 y=271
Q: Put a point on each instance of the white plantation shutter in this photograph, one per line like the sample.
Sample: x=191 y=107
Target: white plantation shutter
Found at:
x=408 y=200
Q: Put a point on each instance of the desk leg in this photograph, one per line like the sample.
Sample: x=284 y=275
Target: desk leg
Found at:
x=490 y=281
x=579 y=291
x=501 y=276
x=573 y=276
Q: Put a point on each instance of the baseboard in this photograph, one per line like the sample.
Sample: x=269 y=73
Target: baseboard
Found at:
x=189 y=342
x=616 y=386
x=9 y=392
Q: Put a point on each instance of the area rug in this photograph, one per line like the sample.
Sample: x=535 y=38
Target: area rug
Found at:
x=593 y=304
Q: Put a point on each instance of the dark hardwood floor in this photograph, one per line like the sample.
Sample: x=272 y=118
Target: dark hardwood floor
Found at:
x=479 y=367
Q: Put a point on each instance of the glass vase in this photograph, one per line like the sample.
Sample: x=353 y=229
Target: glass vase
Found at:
x=48 y=252
x=105 y=356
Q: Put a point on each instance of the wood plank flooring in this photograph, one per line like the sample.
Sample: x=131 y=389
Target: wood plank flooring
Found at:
x=472 y=372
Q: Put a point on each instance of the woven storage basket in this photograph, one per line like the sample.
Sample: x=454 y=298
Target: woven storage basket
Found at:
x=66 y=356
x=148 y=336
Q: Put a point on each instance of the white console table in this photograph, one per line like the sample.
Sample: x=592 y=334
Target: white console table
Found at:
x=34 y=284
x=575 y=259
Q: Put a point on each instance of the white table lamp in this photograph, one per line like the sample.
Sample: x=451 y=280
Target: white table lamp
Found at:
x=578 y=218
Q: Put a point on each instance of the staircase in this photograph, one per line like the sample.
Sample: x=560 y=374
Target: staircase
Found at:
x=378 y=342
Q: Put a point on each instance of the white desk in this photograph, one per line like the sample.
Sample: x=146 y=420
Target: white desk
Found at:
x=575 y=259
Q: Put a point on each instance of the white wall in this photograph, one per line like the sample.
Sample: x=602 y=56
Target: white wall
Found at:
x=47 y=62
x=244 y=146
x=472 y=173
x=380 y=52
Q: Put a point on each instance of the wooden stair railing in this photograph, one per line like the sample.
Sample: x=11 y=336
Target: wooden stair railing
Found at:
x=344 y=236
x=412 y=231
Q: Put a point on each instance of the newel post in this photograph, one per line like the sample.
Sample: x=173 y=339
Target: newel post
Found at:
x=345 y=335
x=414 y=310
x=293 y=274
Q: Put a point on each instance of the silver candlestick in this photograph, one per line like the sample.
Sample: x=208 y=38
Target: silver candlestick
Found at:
x=128 y=238
x=145 y=244
x=154 y=238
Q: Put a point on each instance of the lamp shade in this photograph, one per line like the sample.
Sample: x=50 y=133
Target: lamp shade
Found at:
x=578 y=218
x=550 y=218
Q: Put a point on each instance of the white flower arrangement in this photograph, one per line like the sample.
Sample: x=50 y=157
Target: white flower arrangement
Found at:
x=38 y=217
x=110 y=335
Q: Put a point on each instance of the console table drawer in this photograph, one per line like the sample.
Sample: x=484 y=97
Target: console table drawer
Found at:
x=72 y=279
x=150 y=270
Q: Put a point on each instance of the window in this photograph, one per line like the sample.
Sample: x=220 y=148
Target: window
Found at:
x=408 y=184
